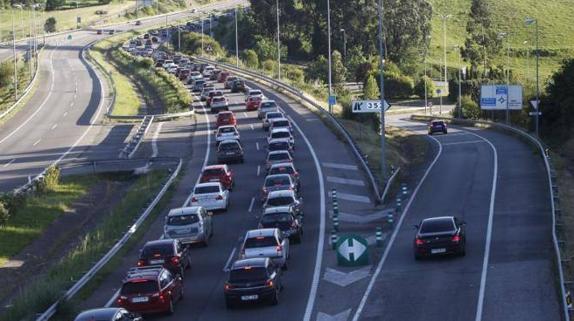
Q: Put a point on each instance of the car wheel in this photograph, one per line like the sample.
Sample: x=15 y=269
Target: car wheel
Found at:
x=275 y=298
x=445 y=132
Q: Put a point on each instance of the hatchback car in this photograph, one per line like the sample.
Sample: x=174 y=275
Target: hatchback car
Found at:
x=253 y=280
x=284 y=198
x=238 y=86
x=150 y=290
x=188 y=225
x=279 y=156
x=222 y=77
x=440 y=236
x=267 y=106
x=281 y=133
x=218 y=103
x=277 y=182
x=169 y=253
x=286 y=168
x=266 y=242
x=270 y=116
x=226 y=132
x=277 y=123
x=229 y=82
x=218 y=173
x=108 y=314
x=198 y=85
x=254 y=93
x=211 y=196
x=225 y=118
x=252 y=103
x=212 y=94
x=229 y=151
x=285 y=219
x=280 y=144
x=437 y=126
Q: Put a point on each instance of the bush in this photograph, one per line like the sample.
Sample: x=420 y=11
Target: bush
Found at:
x=398 y=86
x=50 y=180
x=50 y=25
x=295 y=74
x=371 y=89
x=251 y=59
x=13 y=202
x=420 y=87
x=4 y=214
x=268 y=65
x=470 y=109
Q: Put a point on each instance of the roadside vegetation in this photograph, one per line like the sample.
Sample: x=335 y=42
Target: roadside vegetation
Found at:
x=7 y=98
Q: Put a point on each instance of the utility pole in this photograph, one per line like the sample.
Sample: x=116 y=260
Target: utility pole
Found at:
x=527 y=59
x=344 y=44
x=278 y=44
x=236 y=41
x=15 y=58
x=202 y=36
x=459 y=87
x=382 y=79
x=329 y=48
x=178 y=38
x=444 y=18
x=530 y=21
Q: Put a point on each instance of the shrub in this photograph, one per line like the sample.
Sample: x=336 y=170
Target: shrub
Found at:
x=50 y=180
x=420 y=87
x=13 y=202
x=268 y=65
x=295 y=74
x=4 y=214
x=470 y=109
x=398 y=86
x=371 y=89
x=251 y=59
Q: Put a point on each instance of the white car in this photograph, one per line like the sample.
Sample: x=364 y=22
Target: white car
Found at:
x=266 y=242
x=211 y=196
x=254 y=93
x=227 y=132
x=269 y=116
x=280 y=133
x=280 y=123
x=267 y=106
x=218 y=103
x=208 y=70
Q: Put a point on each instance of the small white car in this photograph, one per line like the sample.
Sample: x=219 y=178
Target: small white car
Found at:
x=276 y=157
x=211 y=196
x=227 y=132
x=269 y=116
x=280 y=133
x=275 y=123
x=254 y=93
x=267 y=106
x=188 y=225
x=208 y=70
x=218 y=104
x=266 y=242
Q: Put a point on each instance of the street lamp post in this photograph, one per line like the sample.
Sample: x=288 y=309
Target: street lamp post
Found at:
x=507 y=73
x=329 y=48
x=444 y=18
x=382 y=79
x=15 y=58
x=236 y=41
x=202 y=36
x=278 y=43
x=344 y=44
x=459 y=113
x=530 y=21
x=527 y=59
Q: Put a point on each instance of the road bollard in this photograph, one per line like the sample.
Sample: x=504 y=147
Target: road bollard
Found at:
x=404 y=190
x=335 y=210
x=390 y=221
x=333 y=239
x=336 y=223
x=399 y=205
x=379 y=236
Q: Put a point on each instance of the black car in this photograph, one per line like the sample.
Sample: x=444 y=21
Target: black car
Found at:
x=437 y=126
x=238 y=86
x=108 y=314
x=229 y=151
x=285 y=219
x=169 y=253
x=440 y=236
x=253 y=280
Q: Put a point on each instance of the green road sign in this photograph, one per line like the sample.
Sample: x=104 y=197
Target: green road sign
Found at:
x=352 y=251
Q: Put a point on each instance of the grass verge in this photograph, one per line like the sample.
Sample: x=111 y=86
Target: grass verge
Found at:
x=24 y=78
x=39 y=295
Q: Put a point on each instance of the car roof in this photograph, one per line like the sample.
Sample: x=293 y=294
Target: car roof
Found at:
x=207 y=184
x=225 y=112
x=282 y=139
x=438 y=218
x=261 y=232
x=286 y=164
x=277 y=209
x=278 y=152
x=278 y=119
x=268 y=101
x=276 y=176
x=256 y=262
x=98 y=314
x=282 y=193
x=159 y=242
x=143 y=273
x=184 y=210
x=255 y=91
x=218 y=166
x=280 y=129
x=226 y=126
x=229 y=141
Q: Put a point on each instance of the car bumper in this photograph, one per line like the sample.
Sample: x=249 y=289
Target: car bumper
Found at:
x=263 y=294
x=215 y=205
x=146 y=308
x=188 y=238
x=439 y=250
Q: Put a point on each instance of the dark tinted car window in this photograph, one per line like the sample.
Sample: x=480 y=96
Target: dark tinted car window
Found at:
x=162 y=250
x=281 y=170
x=229 y=147
x=268 y=105
x=280 y=201
x=274 y=115
x=227 y=130
x=182 y=219
x=437 y=123
x=279 y=156
x=277 y=181
x=278 y=146
x=277 y=217
x=206 y=189
x=247 y=274
x=281 y=123
x=281 y=135
x=214 y=171
x=437 y=226
x=260 y=241
x=139 y=287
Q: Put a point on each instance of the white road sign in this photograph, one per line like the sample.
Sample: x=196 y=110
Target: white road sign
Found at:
x=356 y=249
x=496 y=97
x=368 y=106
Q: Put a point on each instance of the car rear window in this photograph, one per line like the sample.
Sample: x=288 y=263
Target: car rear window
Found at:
x=281 y=170
x=180 y=220
x=140 y=287
x=277 y=217
x=229 y=147
x=281 y=123
x=437 y=226
x=272 y=115
x=206 y=189
x=227 y=130
x=278 y=156
x=158 y=250
x=214 y=171
x=218 y=99
x=437 y=123
x=260 y=241
x=280 y=135
x=274 y=181
x=280 y=201
x=268 y=105
x=248 y=274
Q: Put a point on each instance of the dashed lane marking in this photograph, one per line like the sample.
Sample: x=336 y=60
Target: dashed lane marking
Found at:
x=353 y=197
x=340 y=166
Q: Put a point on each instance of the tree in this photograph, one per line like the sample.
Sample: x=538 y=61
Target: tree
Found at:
x=4 y=214
x=371 y=89
x=54 y=4
x=50 y=25
x=6 y=73
x=318 y=69
x=482 y=41
x=420 y=87
x=558 y=104
x=251 y=59
x=339 y=71
x=470 y=109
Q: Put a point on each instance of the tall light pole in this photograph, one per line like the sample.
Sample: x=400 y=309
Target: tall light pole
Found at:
x=505 y=35
x=236 y=41
x=525 y=42
x=444 y=18
x=382 y=79
x=278 y=43
x=15 y=58
x=202 y=36
x=459 y=83
x=329 y=48
x=530 y=21
x=425 y=77
x=344 y=44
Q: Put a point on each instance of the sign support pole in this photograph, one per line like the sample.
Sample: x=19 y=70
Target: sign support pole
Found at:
x=382 y=79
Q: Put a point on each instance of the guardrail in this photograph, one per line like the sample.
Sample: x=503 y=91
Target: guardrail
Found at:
x=108 y=256
x=132 y=146
x=556 y=212
x=27 y=89
x=302 y=96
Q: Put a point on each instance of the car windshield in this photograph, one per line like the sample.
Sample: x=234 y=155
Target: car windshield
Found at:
x=281 y=123
x=260 y=241
x=281 y=170
x=280 y=135
x=140 y=287
x=280 y=201
x=278 y=146
x=275 y=181
x=254 y=93
x=437 y=226
x=268 y=105
x=158 y=250
x=218 y=100
x=213 y=172
x=206 y=189
x=226 y=130
x=248 y=274
x=229 y=147
x=274 y=115
x=277 y=217
x=179 y=220
x=278 y=156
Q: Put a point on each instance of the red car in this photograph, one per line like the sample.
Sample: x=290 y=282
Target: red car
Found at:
x=150 y=290
x=218 y=173
x=226 y=118
x=253 y=103
x=222 y=77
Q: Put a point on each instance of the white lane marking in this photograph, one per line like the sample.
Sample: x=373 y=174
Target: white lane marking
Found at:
x=72 y=103
x=251 y=204
x=394 y=235
x=8 y=164
x=258 y=170
x=245 y=115
x=321 y=237
x=37 y=142
x=353 y=197
x=467 y=142
x=65 y=114
x=154 y=140
x=207 y=151
x=257 y=145
x=345 y=181
x=54 y=126
x=341 y=166
x=486 y=257
x=231 y=255
x=113 y=299
x=252 y=128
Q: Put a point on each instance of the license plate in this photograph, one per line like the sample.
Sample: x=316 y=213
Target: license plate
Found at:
x=156 y=261
x=229 y=153
x=140 y=299
x=438 y=251
x=249 y=297
x=214 y=180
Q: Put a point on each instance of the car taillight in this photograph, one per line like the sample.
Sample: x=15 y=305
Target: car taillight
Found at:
x=219 y=197
x=269 y=283
x=122 y=299
x=227 y=287
x=419 y=242
x=296 y=174
x=140 y=263
x=175 y=260
x=279 y=248
x=456 y=239
x=194 y=199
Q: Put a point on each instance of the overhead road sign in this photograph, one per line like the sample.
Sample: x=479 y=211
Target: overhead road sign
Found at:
x=368 y=106
x=500 y=97
x=352 y=251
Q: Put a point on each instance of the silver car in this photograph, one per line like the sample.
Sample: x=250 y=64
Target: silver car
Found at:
x=279 y=156
x=266 y=242
x=211 y=196
x=284 y=198
x=189 y=225
x=267 y=106
x=277 y=182
x=218 y=104
x=269 y=116
x=280 y=133
x=227 y=132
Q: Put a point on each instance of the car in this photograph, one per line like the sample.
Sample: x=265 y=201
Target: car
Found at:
x=222 y=77
x=108 y=314
x=198 y=85
x=229 y=151
x=225 y=118
x=208 y=70
x=212 y=196
x=281 y=144
x=266 y=242
x=440 y=236
x=252 y=103
x=168 y=64
x=205 y=93
x=188 y=225
x=275 y=123
x=218 y=103
x=280 y=156
x=99 y=32
x=229 y=82
x=285 y=219
x=437 y=126
x=277 y=182
x=227 y=132
x=218 y=173
x=269 y=116
x=214 y=74
x=280 y=133
x=183 y=74
x=267 y=106
x=254 y=93
x=150 y=290
x=111 y=31
x=253 y=280
x=138 y=23
x=286 y=168
x=238 y=86
x=211 y=95
x=168 y=253
x=284 y=198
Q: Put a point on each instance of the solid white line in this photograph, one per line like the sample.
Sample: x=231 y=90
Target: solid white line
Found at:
x=258 y=170
x=207 y=151
x=353 y=197
x=340 y=166
x=345 y=181
x=8 y=164
x=394 y=235
x=245 y=115
x=257 y=145
x=113 y=299
x=54 y=126
x=65 y=114
x=467 y=142
x=37 y=142
x=251 y=204
x=252 y=128
x=226 y=267
x=154 y=140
